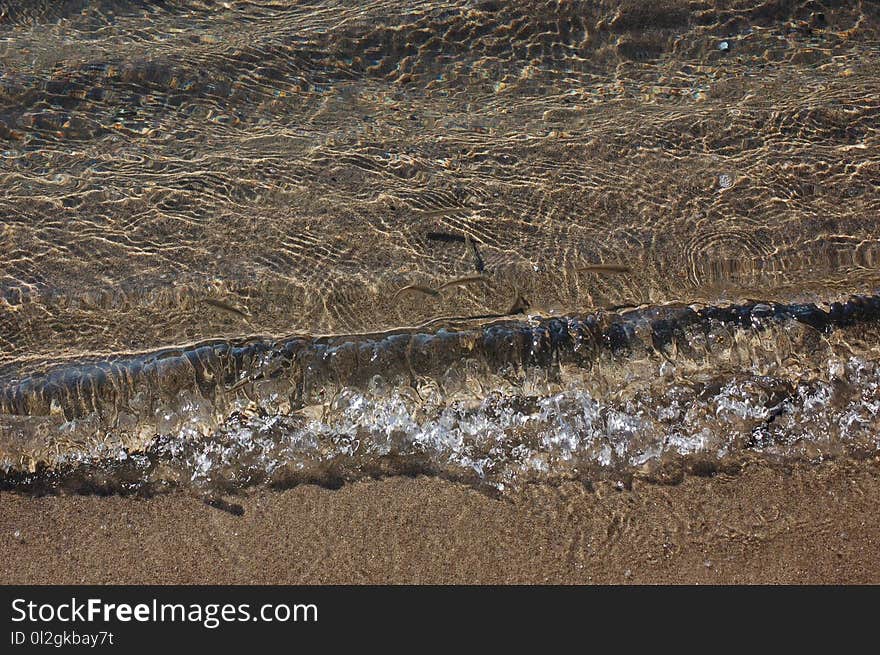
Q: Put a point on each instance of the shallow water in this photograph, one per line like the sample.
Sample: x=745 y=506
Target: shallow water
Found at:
x=182 y=180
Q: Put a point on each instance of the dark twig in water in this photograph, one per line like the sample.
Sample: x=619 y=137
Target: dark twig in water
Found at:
x=219 y=304
x=478 y=260
x=604 y=268
x=446 y=237
x=218 y=503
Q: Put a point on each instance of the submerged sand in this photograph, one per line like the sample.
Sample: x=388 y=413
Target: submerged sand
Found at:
x=765 y=524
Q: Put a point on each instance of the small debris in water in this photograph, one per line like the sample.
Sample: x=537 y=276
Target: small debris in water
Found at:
x=479 y=264
x=232 y=508
x=604 y=268
x=446 y=237
x=219 y=304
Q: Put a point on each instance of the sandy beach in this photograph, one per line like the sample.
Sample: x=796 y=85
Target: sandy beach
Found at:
x=809 y=524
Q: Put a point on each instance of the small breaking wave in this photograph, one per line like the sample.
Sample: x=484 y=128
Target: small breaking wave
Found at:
x=494 y=405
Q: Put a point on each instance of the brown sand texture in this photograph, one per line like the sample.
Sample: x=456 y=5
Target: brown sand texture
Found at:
x=766 y=524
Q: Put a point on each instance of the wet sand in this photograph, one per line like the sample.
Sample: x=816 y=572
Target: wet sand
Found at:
x=809 y=524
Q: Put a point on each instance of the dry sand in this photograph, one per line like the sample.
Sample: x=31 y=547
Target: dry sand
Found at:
x=810 y=524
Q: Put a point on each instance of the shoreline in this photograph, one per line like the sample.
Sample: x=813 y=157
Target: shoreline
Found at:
x=808 y=524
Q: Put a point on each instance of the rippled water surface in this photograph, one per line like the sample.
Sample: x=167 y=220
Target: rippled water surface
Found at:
x=272 y=242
